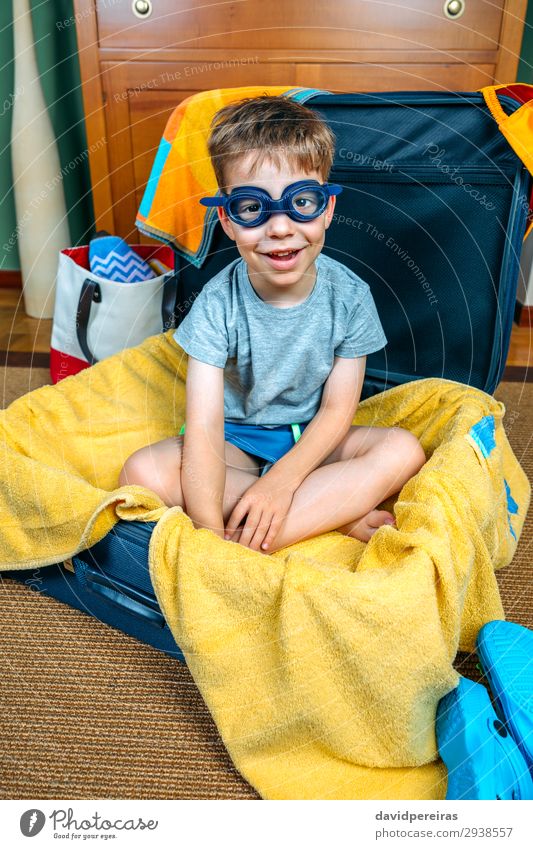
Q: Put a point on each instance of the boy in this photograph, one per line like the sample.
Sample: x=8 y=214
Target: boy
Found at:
x=277 y=345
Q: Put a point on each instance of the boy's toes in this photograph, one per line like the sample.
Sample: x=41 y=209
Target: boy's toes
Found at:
x=377 y=518
x=365 y=527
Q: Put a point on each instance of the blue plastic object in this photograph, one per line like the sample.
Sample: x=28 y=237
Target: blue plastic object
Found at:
x=482 y=758
x=505 y=650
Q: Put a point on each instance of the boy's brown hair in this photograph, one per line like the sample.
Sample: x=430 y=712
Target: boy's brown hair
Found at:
x=278 y=128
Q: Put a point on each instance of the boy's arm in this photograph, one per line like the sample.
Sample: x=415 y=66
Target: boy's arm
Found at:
x=203 y=466
x=340 y=399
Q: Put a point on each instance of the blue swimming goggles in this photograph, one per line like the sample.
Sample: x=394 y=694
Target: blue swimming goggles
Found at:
x=250 y=206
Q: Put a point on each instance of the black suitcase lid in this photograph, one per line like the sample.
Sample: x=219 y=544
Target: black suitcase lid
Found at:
x=438 y=201
x=432 y=217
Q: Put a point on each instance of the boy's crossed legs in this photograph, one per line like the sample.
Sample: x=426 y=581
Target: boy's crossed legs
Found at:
x=369 y=465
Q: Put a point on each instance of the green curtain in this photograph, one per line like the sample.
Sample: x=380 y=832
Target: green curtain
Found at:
x=524 y=73
x=56 y=51
x=9 y=256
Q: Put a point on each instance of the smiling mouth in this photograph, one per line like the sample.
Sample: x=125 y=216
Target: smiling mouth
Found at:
x=284 y=254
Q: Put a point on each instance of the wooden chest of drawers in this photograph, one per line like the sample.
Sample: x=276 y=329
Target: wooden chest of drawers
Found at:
x=140 y=58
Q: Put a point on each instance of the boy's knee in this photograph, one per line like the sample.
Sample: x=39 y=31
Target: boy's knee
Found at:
x=156 y=467
x=134 y=470
x=404 y=448
x=144 y=466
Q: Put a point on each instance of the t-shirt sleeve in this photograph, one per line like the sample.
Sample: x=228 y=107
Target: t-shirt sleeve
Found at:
x=364 y=333
x=203 y=332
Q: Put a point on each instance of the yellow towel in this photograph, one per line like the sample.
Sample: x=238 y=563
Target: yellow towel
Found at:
x=322 y=664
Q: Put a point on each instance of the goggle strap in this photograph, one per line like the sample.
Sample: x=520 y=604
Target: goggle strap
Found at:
x=218 y=200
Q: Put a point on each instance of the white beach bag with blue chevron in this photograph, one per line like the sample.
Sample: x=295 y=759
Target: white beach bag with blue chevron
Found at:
x=95 y=317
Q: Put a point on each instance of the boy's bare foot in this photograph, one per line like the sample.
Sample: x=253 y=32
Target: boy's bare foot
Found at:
x=362 y=529
x=367 y=525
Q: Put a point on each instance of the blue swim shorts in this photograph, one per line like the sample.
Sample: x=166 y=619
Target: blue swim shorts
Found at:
x=264 y=443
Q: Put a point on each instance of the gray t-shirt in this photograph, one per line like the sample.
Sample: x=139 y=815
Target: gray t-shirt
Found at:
x=276 y=360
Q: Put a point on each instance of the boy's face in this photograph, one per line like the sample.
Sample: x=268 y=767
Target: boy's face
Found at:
x=278 y=233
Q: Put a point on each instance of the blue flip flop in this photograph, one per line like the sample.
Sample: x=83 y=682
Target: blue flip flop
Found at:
x=482 y=758
x=505 y=650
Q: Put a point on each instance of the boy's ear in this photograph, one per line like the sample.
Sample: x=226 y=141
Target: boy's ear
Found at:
x=227 y=223
x=330 y=209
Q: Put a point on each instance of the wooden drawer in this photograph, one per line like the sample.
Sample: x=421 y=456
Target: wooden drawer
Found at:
x=307 y=24
x=395 y=77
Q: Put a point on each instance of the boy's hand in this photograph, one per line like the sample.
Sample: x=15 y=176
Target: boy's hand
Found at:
x=265 y=507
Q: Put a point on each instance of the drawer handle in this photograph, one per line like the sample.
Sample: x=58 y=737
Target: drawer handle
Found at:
x=142 y=8
x=453 y=9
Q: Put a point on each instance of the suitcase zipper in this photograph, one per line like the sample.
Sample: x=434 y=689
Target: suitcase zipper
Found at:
x=406 y=98
x=414 y=173
x=120 y=594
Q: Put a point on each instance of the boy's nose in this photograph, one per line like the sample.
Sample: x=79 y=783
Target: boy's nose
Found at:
x=279 y=223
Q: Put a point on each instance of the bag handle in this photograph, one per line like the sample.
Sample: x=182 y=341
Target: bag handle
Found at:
x=170 y=296
x=517 y=127
x=91 y=292
x=523 y=93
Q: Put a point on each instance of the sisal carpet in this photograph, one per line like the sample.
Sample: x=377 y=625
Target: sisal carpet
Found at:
x=91 y=713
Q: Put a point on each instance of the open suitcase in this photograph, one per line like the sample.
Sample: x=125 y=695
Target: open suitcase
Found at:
x=432 y=216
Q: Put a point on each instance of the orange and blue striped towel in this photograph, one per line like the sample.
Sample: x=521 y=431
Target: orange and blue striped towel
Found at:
x=182 y=172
